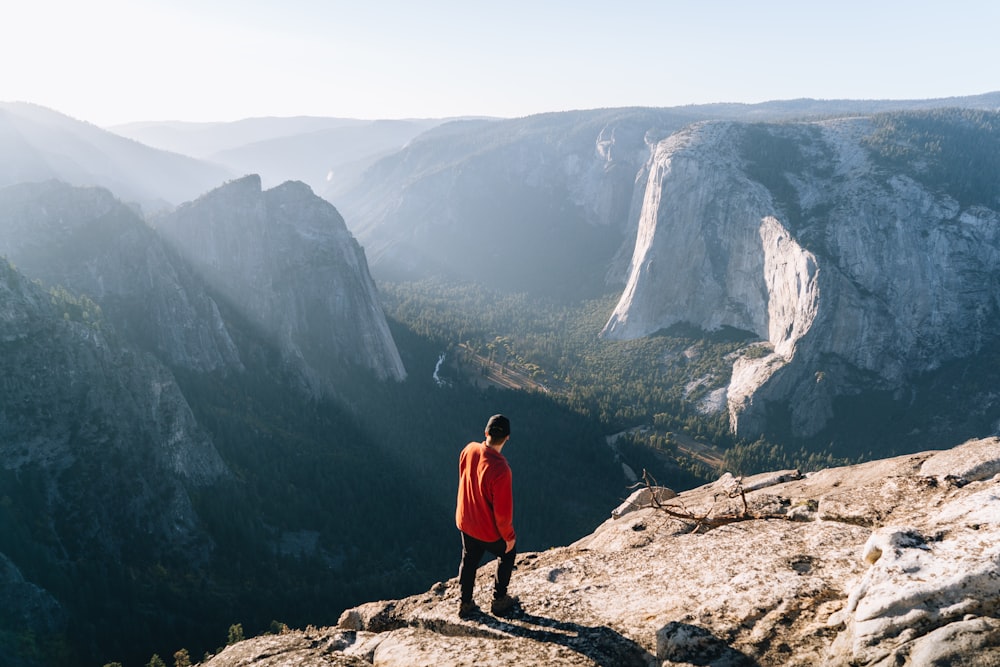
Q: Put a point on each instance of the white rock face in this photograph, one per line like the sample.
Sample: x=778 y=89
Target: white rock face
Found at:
x=875 y=274
x=891 y=562
x=698 y=224
x=285 y=259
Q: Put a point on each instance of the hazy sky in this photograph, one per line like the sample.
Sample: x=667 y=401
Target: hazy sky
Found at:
x=112 y=61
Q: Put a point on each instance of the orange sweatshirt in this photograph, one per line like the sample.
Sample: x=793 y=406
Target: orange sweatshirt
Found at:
x=485 y=508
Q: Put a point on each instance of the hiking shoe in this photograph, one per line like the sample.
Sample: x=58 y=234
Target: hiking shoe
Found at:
x=503 y=606
x=467 y=609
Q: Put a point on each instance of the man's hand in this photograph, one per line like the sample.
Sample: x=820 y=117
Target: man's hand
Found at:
x=510 y=544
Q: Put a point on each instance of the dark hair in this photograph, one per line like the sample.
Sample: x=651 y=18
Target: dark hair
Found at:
x=498 y=427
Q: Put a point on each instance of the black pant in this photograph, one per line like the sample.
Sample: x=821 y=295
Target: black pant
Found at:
x=472 y=552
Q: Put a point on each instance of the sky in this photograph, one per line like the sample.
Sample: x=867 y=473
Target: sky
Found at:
x=115 y=61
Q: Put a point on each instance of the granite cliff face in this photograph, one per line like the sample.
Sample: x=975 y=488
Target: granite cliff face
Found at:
x=862 y=252
x=859 y=259
x=886 y=563
x=284 y=259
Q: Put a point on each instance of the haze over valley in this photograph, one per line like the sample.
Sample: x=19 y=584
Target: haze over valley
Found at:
x=242 y=347
x=250 y=360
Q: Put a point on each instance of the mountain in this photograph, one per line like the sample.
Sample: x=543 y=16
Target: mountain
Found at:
x=202 y=140
x=39 y=144
x=100 y=456
x=885 y=563
x=864 y=251
x=103 y=460
x=325 y=153
x=326 y=158
x=869 y=288
x=530 y=204
x=86 y=240
x=551 y=200
x=283 y=258
x=118 y=499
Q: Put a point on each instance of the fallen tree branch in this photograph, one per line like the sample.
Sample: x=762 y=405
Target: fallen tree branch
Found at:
x=676 y=509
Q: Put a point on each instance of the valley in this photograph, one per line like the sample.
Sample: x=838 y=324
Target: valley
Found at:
x=224 y=399
x=482 y=371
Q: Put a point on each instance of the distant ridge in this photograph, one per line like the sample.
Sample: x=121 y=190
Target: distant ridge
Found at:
x=39 y=144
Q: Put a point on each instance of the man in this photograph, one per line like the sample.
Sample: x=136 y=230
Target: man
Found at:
x=485 y=516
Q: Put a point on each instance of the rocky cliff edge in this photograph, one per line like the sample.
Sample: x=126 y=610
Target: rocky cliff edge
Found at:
x=891 y=562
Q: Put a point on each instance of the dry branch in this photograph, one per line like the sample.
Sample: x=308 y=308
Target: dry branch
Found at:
x=676 y=509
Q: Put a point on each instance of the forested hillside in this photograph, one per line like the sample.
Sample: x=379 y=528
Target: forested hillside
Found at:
x=666 y=389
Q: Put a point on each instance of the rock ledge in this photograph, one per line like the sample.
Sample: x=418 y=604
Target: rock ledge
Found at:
x=892 y=562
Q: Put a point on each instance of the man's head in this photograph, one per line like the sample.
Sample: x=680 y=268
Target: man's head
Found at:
x=497 y=429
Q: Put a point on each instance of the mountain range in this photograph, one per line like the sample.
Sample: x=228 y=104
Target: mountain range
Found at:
x=118 y=339
x=207 y=416
x=861 y=261
x=40 y=144
x=556 y=196
x=324 y=153
x=859 y=249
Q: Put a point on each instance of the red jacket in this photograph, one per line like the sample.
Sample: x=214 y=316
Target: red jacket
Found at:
x=485 y=508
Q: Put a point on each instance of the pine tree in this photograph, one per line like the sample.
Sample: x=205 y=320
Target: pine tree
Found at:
x=235 y=633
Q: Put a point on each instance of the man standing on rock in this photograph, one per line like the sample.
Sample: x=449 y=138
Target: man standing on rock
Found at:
x=485 y=515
